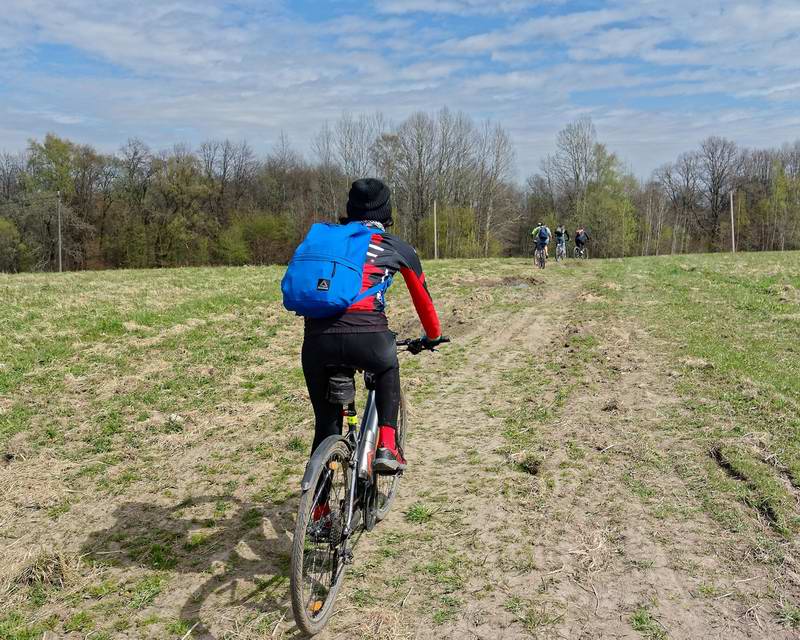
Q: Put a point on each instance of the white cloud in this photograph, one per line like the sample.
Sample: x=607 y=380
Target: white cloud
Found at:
x=459 y=7
x=551 y=29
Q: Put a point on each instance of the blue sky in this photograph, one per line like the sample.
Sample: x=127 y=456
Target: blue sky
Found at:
x=656 y=77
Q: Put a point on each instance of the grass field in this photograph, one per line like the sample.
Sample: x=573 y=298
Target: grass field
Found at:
x=607 y=449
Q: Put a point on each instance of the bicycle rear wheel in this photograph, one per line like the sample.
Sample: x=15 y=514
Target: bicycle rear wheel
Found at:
x=387 y=486
x=317 y=568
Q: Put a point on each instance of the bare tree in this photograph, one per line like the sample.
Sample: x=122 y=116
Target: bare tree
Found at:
x=574 y=160
x=354 y=140
x=416 y=172
x=681 y=183
x=243 y=166
x=324 y=148
x=718 y=162
x=494 y=164
x=12 y=171
x=138 y=167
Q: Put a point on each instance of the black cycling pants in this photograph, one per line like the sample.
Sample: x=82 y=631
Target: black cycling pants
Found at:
x=374 y=352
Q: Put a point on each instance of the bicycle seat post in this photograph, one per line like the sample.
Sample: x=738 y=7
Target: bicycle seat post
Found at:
x=350 y=416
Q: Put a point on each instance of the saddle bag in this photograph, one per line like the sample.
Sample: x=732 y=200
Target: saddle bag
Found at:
x=341 y=389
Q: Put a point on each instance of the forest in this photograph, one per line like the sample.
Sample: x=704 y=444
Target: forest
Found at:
x=222 y=204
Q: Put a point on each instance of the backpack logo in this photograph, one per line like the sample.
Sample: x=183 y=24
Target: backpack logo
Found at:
x=323 y=284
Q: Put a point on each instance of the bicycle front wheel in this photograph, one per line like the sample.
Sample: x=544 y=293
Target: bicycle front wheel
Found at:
x=317 y=567
x=387 y=486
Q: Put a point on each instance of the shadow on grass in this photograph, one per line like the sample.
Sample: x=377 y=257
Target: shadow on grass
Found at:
x=238 y=552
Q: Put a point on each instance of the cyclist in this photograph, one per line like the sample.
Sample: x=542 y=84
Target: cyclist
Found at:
x=541 y=236
x=360 y=336
x=581 y=239
x=562 y=237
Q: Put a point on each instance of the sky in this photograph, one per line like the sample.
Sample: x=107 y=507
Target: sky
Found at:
x=656 y=77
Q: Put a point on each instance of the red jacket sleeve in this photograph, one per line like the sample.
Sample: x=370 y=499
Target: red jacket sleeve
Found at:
x=402 y=257
x=423 y=302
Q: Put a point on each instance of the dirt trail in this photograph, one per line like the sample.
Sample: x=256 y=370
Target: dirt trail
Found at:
x=572 y=550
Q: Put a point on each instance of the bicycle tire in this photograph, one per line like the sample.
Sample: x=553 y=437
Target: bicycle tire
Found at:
x=310 y=612
x=387 y=486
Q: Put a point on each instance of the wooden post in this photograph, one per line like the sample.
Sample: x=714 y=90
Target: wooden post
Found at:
x=435 y=234
x=733 y=233
x=58 y=208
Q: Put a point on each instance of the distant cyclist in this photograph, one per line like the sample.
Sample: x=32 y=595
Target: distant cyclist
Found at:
x=562 y=237
x=581 y=240
x=541 y=236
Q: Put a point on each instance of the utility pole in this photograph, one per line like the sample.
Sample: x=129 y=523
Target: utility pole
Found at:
x=733 y=233
x=435 y=234
x=58 y=208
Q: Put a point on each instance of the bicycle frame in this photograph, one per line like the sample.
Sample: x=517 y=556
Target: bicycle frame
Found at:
x=540 y=255
x=361 y=442
x=364 y=452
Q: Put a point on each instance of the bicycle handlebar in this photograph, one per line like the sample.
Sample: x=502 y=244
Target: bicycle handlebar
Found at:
x=416 y=345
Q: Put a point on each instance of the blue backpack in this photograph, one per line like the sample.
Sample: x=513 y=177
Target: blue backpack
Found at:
x=543 y=235
x=325 y=275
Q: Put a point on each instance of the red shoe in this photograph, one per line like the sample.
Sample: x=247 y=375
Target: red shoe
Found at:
x=389 y=458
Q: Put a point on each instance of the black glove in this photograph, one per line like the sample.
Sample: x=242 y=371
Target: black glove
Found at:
x=425 y=343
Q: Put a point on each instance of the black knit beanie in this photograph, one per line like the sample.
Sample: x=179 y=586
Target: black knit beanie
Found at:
x=369 y=199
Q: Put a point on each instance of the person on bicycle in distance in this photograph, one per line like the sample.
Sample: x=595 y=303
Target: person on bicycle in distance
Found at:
x=562 y=236
x=541 y=236
x=581 y=238
x=360 y=336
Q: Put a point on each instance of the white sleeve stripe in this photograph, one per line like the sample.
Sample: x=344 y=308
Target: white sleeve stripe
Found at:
x=372 y=255
x=376 y=247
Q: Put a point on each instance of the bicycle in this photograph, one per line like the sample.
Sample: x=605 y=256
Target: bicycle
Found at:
x=561 y=251
x=539 y=257
x=339 y=477
x=581 y=253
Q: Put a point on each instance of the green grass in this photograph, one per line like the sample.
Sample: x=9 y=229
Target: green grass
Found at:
x=14 y=627
x=145 y=591
x=643 y=621
x=789 y=615
x=765 y=493
x=731 y=331
x=419 y=513
x=81 y=621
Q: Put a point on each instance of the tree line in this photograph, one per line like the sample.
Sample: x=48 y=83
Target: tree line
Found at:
x=223 y=204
